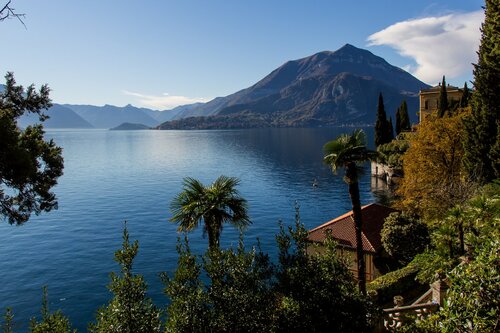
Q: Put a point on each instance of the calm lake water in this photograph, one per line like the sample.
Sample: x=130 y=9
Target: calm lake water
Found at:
x=113 y=176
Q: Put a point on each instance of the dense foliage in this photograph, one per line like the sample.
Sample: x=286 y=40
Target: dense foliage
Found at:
x=130 y=311
x=473 y=303
x=394 y=283
x=434 y=176
x=316 y=290
x=392 y=153
x=54 y=322
x=482 y=138
x=243 y=292
x=403 y=237
x=29 y=164
x=236 y=298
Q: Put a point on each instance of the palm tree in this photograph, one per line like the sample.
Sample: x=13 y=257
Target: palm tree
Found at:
x=346 y=151
x=213 y=205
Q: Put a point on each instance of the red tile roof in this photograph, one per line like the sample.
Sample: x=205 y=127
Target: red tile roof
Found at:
x=343 y=231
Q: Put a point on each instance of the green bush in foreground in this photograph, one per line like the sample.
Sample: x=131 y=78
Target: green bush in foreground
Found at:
x=394 y=283
x=130 y=311
x=54 y=322
x=242 y=291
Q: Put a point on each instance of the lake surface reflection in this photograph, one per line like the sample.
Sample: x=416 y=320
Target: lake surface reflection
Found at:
x=113 y=176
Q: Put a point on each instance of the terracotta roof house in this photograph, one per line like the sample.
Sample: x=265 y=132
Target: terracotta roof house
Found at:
x=343 y=231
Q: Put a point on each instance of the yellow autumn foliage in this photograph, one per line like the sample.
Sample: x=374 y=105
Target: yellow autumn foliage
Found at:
x=434 y=178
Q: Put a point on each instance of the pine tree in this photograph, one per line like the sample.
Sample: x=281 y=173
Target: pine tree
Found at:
x=443 y=99
x=482 y=158
x=381 y=125
x=398 y=121
x=405 y=118
x=464 y=100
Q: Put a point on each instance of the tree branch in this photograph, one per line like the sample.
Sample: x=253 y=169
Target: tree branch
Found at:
x=8 y=12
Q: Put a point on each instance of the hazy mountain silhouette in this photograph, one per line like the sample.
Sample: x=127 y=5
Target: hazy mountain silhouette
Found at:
x=60 y=117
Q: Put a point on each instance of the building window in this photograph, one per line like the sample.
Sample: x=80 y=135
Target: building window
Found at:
x=426 y=105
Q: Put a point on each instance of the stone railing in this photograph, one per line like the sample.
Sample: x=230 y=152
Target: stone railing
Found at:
x=399 y=315
x=423 y=307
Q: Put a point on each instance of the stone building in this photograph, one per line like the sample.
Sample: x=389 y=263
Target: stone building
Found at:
x=429 y=99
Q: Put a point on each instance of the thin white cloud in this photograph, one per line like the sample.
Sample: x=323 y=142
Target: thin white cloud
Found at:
x=439 y=45
x=163 y=101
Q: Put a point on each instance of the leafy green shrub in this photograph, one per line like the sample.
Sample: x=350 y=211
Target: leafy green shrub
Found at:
x=394 y=283
x=473 y=304
x=403 y=237
x=392 y=153
x=54 y=322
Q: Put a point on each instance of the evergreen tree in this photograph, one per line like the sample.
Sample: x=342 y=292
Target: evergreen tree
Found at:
x=464 y=100
x=405 y=118
x=443 y=99
x=390 y=130
x=51 y=322
x=7 y=321
x=398 y=121
x=381 y=125
x=130 y=311
x=482 y=157
x=29 y=164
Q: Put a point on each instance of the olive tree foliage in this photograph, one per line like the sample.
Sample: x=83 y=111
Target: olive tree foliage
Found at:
x=29 y=164
x=130 y=311
x=403 y=237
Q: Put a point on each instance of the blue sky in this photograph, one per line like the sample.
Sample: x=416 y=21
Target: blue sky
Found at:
x=160 y=54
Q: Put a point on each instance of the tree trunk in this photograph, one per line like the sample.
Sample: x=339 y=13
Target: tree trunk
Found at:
x=213 y=231
x=352 y=180
x=461 y=236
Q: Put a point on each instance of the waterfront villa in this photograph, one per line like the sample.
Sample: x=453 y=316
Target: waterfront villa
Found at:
x=343 y=231
x=429 y=99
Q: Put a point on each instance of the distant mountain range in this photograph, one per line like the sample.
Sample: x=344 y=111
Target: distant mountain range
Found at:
x=325 y=89
x=107 y=116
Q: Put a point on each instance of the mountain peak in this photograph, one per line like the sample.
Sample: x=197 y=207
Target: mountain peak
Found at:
x=348 y=46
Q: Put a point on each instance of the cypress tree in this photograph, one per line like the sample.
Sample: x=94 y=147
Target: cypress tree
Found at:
x=390 y=130
x=405 y=118
x=482 y=157
x=464 y=100
x=398 y=121
x=443 y=99
x=381 y=125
